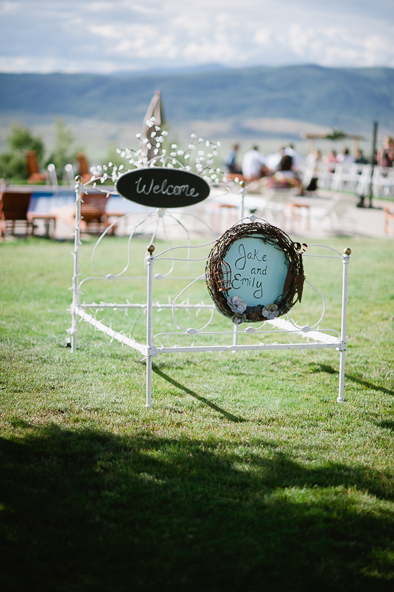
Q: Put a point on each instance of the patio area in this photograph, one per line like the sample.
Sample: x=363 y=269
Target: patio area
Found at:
x=323 y=213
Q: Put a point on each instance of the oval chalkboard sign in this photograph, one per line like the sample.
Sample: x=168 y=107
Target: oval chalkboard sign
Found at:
x=162 y=187
x=255 y=272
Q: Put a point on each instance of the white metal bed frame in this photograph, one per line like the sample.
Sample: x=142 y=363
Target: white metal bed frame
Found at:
x=314 y=337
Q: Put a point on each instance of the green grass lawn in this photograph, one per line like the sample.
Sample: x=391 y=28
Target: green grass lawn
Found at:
x=245 y=475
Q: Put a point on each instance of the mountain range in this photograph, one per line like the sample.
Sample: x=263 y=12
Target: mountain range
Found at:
x=350 y=99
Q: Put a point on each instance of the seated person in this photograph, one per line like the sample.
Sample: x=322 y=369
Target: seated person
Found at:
x=330 y=160
x=286 y=165
x=345 y=157
x=360 y=158
x=231 y=161
x=254 y=165
x=285 y=175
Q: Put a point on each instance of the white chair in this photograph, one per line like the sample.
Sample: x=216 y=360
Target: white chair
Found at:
x=340 y=176
x=52 y=176
x=69 y=175
x=363 y=187
x=275 y=208
x=324 y=175
x=390 y=183
x=351 y=177
x=309 y=172
x=336 y=215
x=381 y=181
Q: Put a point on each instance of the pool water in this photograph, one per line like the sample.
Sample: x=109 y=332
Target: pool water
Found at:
x=43 y=202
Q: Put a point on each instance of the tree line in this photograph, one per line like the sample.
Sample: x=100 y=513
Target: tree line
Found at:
x=13 y=163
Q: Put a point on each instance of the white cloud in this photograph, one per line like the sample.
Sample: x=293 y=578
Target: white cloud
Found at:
x=106 y=31
x=113 y=35
x=263 y=37
x=8 y=8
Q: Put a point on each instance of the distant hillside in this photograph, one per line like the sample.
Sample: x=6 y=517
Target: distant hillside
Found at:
x=348 y=98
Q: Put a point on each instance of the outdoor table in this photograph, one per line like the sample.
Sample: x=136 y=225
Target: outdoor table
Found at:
x=297 y=204
x=49 y=221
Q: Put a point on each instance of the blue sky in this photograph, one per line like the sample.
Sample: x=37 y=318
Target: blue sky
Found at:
x=106 y=36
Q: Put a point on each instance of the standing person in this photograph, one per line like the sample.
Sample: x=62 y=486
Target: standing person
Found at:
x=386 y=153
x=254 y=164
x=231 y=161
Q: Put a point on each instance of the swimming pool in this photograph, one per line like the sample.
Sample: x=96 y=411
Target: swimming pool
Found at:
x=44 y=200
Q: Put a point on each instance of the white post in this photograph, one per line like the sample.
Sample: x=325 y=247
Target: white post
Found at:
x=342 y=353
x=77 y=239
x=150 y=261
x=243 y=193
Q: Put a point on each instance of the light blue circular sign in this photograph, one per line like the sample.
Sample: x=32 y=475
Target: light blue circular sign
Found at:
x=258 y=271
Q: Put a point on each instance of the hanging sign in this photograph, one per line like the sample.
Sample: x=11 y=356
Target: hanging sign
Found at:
x=159 y=187
x=255 y=272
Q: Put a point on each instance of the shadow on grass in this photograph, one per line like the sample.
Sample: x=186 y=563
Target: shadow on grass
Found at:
x=182 y=387
x=370 y=385
x=389 y=425
x=88 y=510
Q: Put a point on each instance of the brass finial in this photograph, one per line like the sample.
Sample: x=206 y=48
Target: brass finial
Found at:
x=150 y=249
x=347 y=251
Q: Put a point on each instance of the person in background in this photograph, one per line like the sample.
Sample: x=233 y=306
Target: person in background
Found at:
x=311 y=173
x=345 y=157
x=231 y=161
x=331 y=160
x=254 y=164
x=297 y=159
x=386 y=153
x=286 y=164
x=285 y=175
x=360 y=158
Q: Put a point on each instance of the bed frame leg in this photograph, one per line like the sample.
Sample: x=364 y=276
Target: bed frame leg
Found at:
x=342 y=354
x=148 y=400
x=341 y=397
x=149 y=332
